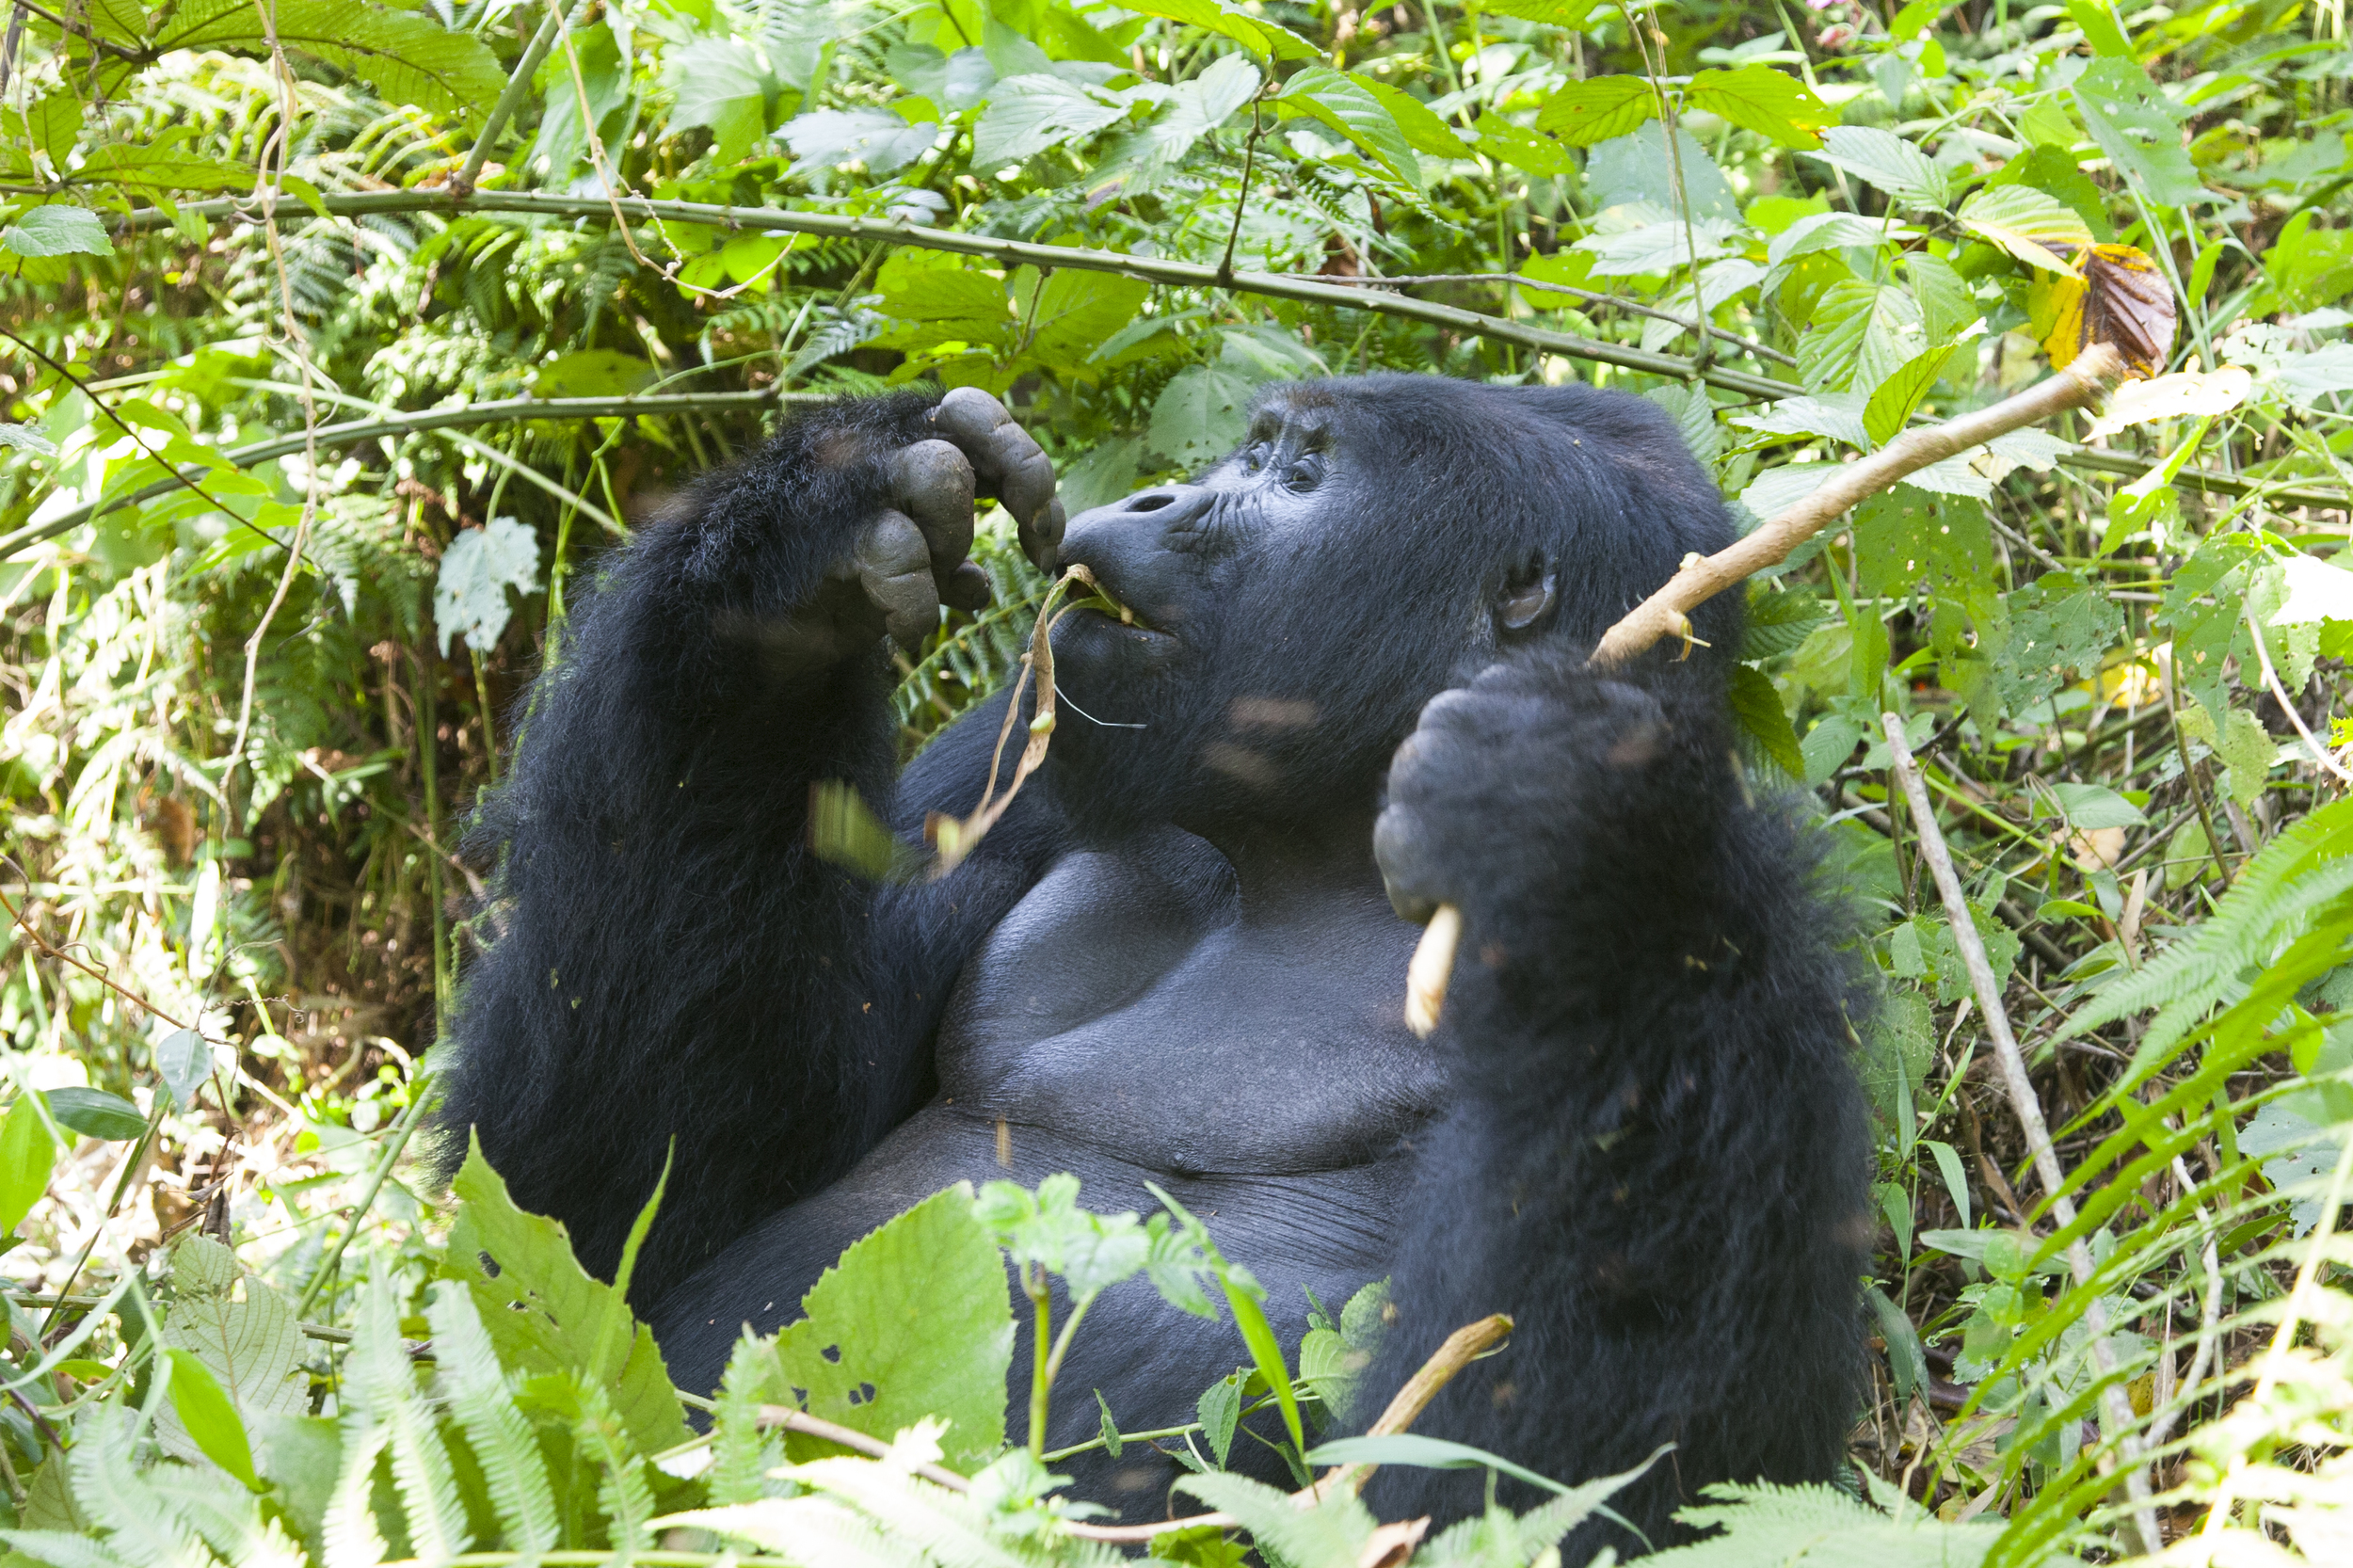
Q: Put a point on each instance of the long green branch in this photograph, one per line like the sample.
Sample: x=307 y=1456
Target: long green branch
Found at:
x=504 y=411
x=1151 y=269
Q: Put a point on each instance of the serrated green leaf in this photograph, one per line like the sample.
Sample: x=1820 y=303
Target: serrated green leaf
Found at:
x=1757 y=704
x=1885 y=161
x=1420 y=125
x=1894 y=399
x=1028 y=114
x=1568 y=14
x=2139 y=128
x=56 y=229
x=1348 y=105
x=406 y=58
x=543 y=1311
x=1262 y=38
x=1761 y=99
x=915 y=1319
x=2027 y=223
x=1597 y=108
x=241 y=1330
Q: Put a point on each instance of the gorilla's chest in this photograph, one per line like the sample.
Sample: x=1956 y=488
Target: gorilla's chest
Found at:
x=1130 y=1008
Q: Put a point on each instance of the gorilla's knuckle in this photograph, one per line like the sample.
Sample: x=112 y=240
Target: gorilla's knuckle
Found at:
x=891 y=547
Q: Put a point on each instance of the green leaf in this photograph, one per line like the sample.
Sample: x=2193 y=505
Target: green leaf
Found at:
x=1895 y=398
x=1567 y=14
x=1242 y=1295
x=241 y=1331
x=1597 y=109
x=1422 y=128
x=1200 y=416
x=379 y=1397
x=160 y=169
x=28 y=1154
x=1757 y=705
x=24 y=438
x=476 y=572
x=209 y=1418
x=2090 y=807
x=1906 y=1361
x=405 y=56
x=1861 y=334
x=1218 y=1410
x=183 y=1062
x=1028 y=114
x=916 y=1320
x=1886 y=161
x=1426 y=1453
x=719 y=83
x=1074 y=314
x=1348 y=106
x=543 y=1311
x=1262 y=38
x=96 y=1114
x=2027 y=223
x=56 y=229
x=1195 y=109
x=2140 y=129
x=1770 y=103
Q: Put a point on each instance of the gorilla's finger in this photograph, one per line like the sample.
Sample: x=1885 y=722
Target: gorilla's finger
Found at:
x=1400 y=848
x=1423 y=758
x=894 y=567
x=1009 y=463
x=933 y=482
x=966 y=587
x=1042 y=542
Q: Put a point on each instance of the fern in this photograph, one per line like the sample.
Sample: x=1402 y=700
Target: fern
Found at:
x=477 y=1391
x=382 y=1387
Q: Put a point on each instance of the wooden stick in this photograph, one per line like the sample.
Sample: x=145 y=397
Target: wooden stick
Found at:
x=2116 y=1410
x=1667 y=613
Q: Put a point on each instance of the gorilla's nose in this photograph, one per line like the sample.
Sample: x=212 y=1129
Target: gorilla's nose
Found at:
x=1126 y=545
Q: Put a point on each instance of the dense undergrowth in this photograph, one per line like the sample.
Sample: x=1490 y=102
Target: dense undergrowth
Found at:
x=282 y=549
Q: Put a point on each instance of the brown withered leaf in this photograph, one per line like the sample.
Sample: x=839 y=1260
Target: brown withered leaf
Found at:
x=2116 y=295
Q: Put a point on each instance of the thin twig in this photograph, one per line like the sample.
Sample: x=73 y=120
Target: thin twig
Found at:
x=1154 y=269
x=2115 y=1407
x=1666 y=612
x=137 y=440
x=518 y=88
x=1586 y=297
x=2272 y=678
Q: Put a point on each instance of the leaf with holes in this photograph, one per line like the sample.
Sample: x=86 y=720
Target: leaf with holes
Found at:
x=915 y=1320
x=477 y=570
x=2140 y=129
x=2029 y=225
x=1769 y=102
x=1597 y=109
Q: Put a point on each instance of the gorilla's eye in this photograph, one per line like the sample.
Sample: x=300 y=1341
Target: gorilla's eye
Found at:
x=1306 y=472
x=1254 y=457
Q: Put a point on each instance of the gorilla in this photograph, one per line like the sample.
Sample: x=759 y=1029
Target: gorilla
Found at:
x=1352 y=688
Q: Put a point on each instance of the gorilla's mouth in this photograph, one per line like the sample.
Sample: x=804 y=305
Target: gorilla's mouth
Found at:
x=1088 y=593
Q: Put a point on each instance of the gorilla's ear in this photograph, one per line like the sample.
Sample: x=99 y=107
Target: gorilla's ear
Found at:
x=1528 y=593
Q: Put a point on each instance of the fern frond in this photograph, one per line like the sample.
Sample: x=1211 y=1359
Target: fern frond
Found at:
x=622 y=1490
x=475 y=1389
x=381 y=1385
x=142 y=1529
x=1331 y=1535
x=742 y=1451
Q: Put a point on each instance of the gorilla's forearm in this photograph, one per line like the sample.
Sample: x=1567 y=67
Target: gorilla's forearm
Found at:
x=1653 y=1166
x=672 y=961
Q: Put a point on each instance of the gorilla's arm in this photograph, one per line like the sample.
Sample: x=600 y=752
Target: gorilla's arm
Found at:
x=670 y=960
x=1653 y=1165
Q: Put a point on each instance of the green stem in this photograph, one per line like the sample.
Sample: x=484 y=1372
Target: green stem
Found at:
x=1033 y=1280
x=419 y=1091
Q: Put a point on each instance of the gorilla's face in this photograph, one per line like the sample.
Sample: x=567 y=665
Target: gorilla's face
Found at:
x=1289 y=622
x=1372 y=541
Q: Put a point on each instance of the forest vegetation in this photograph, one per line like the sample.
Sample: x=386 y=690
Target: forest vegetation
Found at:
x=341 y=341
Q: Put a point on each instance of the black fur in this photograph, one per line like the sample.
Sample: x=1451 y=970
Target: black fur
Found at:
x=1638 y=1131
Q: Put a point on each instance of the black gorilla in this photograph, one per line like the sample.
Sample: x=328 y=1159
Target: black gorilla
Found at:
x=1637 y=1131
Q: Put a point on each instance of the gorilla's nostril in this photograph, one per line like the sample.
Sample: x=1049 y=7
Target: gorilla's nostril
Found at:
x=1151 y=501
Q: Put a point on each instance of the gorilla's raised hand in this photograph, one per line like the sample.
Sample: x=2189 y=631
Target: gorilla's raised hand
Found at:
x=1516 y=795
x=911 y=559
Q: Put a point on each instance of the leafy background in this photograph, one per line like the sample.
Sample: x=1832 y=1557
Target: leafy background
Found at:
x=342 y=338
